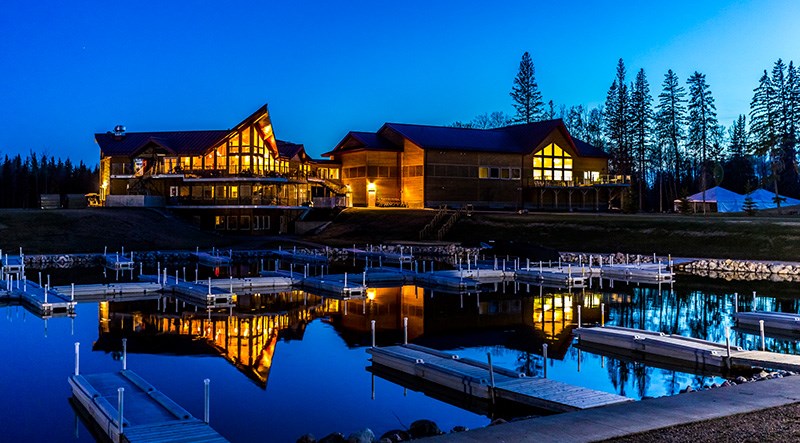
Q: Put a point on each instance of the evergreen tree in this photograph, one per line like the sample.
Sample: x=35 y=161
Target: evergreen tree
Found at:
x=576 y=121
x=669 y=124
x=641 y=117
x=764 y=117
x=525 y=93
x=594 y=127
x=550 y=113
x=702 y=124
x=749 y=206
x=617 y=122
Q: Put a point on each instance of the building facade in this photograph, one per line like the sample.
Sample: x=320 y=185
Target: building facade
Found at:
x=240 y=179
x=528 y=166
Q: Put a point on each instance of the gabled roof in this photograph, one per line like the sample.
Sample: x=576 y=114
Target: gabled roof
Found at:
x=178 y=142
x=513 y=139
x=289 y=150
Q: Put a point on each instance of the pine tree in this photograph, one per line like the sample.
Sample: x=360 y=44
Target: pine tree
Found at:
x=669 y=124
x=617 y=122
x=576 y=121
x=641 y=114
x=525 y=93
x=594 y=127
x=702 y=124
x=764 y=117
x=550 y=112
x=749 y=206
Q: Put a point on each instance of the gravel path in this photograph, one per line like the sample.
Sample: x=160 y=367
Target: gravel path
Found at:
x=781 y=424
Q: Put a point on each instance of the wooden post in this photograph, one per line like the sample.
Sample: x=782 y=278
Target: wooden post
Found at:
x=491 y=374
x=120 y=404
x=207 y=401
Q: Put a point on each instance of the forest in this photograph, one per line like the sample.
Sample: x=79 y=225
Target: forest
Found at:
x=22 y=180
x=672 y=144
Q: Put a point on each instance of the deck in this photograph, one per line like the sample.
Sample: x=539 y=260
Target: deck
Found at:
x=11 y=265
x=473 y=378
x=700 y=355
x=436 y=279
x=641 y=273
x=148 y=414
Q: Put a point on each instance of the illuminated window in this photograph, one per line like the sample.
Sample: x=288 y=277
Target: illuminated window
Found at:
x=552 y=163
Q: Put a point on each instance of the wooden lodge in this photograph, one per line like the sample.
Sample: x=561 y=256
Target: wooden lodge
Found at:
x=240 y=179
x=528 y=166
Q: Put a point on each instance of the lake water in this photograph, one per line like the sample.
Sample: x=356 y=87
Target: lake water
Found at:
x=282 y=365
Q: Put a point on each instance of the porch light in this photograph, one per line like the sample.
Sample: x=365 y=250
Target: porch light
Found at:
x=371 y=187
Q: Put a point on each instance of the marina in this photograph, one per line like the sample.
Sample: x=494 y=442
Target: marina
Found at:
x=213 y=259
x=43 y=301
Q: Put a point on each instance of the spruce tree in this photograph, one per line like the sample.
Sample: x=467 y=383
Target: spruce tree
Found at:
x=525 y=93
x=749 y=206
x=617 y=122
x=702 y=124
x=641 y=116
x=764 y=117
x=669 y=124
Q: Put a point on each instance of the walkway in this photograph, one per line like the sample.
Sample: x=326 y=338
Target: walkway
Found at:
x=641 y=416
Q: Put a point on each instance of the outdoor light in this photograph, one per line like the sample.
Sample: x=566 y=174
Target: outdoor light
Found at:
x=371 y=187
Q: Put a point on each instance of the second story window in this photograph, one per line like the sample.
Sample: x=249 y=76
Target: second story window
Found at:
x=552 y=163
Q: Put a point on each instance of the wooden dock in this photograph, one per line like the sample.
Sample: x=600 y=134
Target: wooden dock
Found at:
x=775 y=321
x=147 y=414
x=473 y=378
x=701 y=355
x=43 y=301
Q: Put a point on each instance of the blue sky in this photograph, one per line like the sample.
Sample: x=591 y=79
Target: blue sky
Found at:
x=70 y=69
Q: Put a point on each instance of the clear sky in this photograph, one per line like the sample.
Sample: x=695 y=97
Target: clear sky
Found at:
x=70 y=69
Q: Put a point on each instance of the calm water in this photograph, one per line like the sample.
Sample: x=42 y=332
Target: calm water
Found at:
x=286 y=364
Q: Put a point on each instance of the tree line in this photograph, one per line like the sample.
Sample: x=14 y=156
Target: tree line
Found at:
x=23 y=180
x=673 y=145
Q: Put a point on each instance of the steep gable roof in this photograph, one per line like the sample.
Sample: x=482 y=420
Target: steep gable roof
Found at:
x=188 y=143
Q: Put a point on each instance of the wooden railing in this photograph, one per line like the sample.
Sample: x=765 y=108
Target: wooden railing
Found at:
x=450 y=223
x=430 y=228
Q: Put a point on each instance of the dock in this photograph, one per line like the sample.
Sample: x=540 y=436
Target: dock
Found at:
x=11 y=265
x=473 y=378
x=112 y=291
x=44 y=301
x=267 y=280
x=775 y=321
x=337 y=284
x=147 y=415
x=642 y=273
x=437 y=279
x=700 y=355
x=562 y=276
x=119 y=262
x=203 y=295
x=213 y=259
x=298 y=257
x=381 y=256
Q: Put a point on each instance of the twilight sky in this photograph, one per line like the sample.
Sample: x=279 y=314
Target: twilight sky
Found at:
x=70 y=69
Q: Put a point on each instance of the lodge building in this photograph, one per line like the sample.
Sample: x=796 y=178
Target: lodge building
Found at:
x=244 y=179
x=240 y=179
x=527 y=166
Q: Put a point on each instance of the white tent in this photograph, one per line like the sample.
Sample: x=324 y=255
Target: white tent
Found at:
x=765 y=199
x=717 y=200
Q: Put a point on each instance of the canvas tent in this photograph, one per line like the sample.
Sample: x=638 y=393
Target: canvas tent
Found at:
x=717 y=199
x=765 y=199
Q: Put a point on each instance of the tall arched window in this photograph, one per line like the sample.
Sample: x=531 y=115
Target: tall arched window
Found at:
x=552 y=163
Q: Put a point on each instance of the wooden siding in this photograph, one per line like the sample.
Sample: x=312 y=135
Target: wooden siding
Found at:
x=412 y=188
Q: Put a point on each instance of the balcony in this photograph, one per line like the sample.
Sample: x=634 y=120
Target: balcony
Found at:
x=603 y=180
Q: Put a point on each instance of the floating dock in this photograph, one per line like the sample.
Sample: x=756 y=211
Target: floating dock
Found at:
x=147 y=414
x=119 y=262
x=203 y=295
x=474 y=379
x=44 y=301
x=298 y=257
x=213 y=259
x=642 y=273
x=436 y=279
x=11 y=265
x=776 y=321
x=382 y=256
x=111 y=291
x=701 y=355
x=267 y=280
x=338 y=284
x=563 y=276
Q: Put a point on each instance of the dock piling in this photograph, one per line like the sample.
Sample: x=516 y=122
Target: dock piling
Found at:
x=735 y=302
x=120 y=403
x=372 y=325
x=207 y=401
x=491 y=374
x=761 y=330
x=602 y=315
x=124 y=354
x=405 y=330
x=544 y=354
x=77 y=358
x=728 y=345
x=579 y=316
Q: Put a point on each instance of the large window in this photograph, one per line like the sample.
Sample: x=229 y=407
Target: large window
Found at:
x=552 y=163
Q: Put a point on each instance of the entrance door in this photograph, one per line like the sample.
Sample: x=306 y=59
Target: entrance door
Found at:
x=370 y=198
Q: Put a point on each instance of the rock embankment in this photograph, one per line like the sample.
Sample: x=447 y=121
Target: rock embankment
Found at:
x=729 y=269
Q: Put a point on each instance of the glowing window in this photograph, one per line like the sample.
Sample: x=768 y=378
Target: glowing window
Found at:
x=552 y=163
